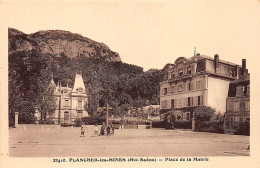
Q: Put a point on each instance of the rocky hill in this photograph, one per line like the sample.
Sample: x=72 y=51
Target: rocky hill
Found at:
x=58 y=43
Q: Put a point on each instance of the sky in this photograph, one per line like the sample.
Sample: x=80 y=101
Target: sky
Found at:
x=152 y=33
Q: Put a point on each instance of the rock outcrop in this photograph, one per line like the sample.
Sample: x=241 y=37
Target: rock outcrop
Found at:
x=58 y=43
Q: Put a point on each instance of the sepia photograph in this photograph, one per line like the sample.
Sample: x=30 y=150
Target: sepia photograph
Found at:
x=129 y=83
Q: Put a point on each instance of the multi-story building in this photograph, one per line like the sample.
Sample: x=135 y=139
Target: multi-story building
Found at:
x=238 y=104
x=70 y=102
x=198 y=81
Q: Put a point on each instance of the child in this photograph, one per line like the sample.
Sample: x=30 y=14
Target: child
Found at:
x=108 y=129
x=82 y=132
x=96 y=129
x=112 y=129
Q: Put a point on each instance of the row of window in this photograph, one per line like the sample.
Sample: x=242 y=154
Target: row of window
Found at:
x=180 y=72
x=238 y=106
x=184 y=102
x=79 y=104
x=190 y=86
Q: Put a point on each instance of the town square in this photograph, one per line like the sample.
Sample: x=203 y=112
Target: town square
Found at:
x=66 y=142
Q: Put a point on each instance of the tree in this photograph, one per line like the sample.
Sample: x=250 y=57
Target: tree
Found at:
x=204 y=113
x=47 y=105
x=26 y=113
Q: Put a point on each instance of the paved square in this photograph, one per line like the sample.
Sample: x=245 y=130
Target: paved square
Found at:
x=66 y=142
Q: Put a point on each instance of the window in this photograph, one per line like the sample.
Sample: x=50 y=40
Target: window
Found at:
x=192 y=85
x=198 y=85
x=66 y=102
x=172 y=89
x=200 y=102
x=80 y=114
x=173 y=74
x=180 y=87
x=189 y=70
x=201 y=66
x=240 y=90
x=165 y=91
x=236 y=106
x=230 y=106
x=172 y=103
x=188 y=86
x=180 y=72
x=189 y=101
x=80 y=104
x=187 y=116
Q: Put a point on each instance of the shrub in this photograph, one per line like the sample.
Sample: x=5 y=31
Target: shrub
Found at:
x=209 y=126
x=158 y=124
x=78 y=122
x=183 y=124
x=93 y=120
x=242 y=128
x=203 y=113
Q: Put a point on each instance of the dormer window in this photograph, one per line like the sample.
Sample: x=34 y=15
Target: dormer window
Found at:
x=180 y=72
x=189 y=70
x=79 y=90
x=173 y=74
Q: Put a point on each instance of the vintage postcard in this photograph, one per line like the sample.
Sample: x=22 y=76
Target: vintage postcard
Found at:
x=141 y=83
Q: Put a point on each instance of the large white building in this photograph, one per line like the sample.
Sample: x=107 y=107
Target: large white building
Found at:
x=70 y=102
x=196 y=81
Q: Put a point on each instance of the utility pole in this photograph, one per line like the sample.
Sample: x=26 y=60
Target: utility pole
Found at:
x=107 y=116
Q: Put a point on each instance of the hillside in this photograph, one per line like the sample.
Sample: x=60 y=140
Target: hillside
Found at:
x=58 y=42
x=123 y=86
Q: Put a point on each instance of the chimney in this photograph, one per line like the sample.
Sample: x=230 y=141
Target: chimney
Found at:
x=243 y=66
x=216 y=62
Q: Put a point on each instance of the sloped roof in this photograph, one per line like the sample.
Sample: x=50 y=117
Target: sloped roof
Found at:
x=78 y=83
x=243 y=78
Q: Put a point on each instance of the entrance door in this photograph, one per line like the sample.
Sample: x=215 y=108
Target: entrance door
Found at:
x=66 y=117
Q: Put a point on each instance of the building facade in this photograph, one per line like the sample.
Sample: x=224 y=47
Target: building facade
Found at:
x=238 y=105
x=70 y=102
x=197 y=81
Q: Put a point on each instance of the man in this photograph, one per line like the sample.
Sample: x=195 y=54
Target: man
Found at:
x=82 y=132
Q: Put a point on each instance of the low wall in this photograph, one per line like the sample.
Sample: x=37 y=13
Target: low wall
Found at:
x=86 y=127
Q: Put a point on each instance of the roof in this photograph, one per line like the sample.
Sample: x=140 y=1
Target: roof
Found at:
x=200 y=57
x=78 y=83
x=243 y=78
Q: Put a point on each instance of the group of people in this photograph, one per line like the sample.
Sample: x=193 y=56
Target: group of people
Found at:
x=109 y=130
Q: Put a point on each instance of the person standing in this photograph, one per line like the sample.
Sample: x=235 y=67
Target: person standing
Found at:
x=82 y=132
x=108 y=129
x=96 y=129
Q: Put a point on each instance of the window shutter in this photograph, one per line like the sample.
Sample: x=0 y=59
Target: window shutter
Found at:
x=191 y=101
x=195 y=101
x=201 y=101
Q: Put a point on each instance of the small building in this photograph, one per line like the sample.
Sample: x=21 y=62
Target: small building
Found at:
x=197 y=81
x=238 y=104
x=70 y=102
